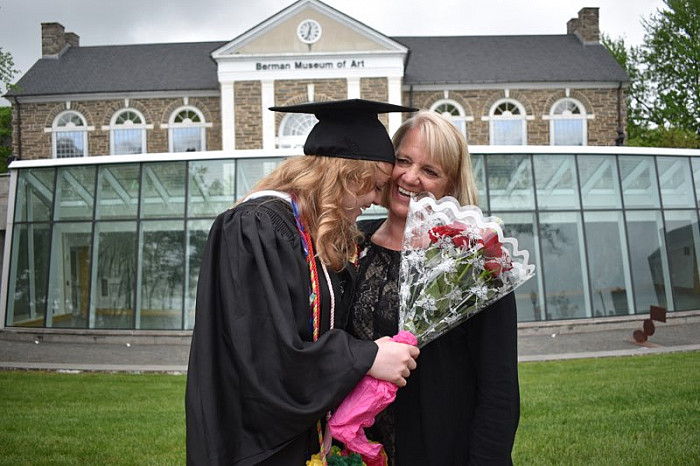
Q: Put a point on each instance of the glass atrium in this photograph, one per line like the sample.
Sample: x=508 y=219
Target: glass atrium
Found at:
x=115 y=242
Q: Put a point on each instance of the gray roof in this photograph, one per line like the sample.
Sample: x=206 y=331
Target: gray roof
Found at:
x=508 y=59
x=439 y=60
x=124 y=68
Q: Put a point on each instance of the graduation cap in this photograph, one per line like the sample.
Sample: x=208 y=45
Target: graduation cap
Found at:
x=348 y=128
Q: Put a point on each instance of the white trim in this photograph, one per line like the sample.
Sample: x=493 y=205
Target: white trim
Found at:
x=230 y=48
x=511 y=85
x=311 y=66
x=52 y=98
x=268 y=117
x=394 y=91
x=228 y=118
x=9 y=233
x=353 y=83
x=202 y=125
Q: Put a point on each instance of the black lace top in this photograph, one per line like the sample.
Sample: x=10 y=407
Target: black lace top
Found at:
x=375 y=313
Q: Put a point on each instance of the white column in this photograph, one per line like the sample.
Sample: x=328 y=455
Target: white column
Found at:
x=268 y=116
x=353 y=87
x=394 y=98
x=228 y=117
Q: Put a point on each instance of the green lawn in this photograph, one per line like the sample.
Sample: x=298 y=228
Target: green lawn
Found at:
x=636 y=410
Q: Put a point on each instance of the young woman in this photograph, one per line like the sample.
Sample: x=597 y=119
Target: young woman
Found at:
x=462 y=405
x=266 y=362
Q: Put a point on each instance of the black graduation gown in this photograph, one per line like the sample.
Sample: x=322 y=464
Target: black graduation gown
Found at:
x=257 y=383
x=461 y=405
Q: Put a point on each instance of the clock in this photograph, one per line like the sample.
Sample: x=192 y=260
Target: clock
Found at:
x=309 y=31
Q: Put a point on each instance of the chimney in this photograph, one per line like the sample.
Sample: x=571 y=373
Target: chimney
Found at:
x=54 y=39
x=585 y=27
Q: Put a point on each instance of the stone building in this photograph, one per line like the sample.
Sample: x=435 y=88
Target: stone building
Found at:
x=153 y=98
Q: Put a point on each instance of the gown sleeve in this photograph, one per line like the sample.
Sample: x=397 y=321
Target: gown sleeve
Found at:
x=256 y=380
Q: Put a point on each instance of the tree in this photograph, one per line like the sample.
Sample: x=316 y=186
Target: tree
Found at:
x=7 y=68
x=5 y=137
x=664 y=91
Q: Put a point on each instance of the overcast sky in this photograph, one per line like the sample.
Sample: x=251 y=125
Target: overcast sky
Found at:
x=111 y=22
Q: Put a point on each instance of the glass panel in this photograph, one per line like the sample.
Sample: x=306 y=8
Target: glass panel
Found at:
x=507 y=132
x=250 y=171
x=683 y=242
x=599 y=181
x=563 y=260
x=212 y=185
x=555 y=177
x=197 y=233
x=29 y=271
x=35 y=188
x=480 y=177
x=127 y=141
x=510 y=182
x=696 y=176
x=70 y=144
x=163 y=190
x=649 y=265
x=117 y=191
x=112 y=299
x=611 y=284
x=75 y=192
x=675 y=182
x=69 y=280
x=162 y=275
x=639 y=188
x=568 y=132
x=187 y=139
x=522 y=226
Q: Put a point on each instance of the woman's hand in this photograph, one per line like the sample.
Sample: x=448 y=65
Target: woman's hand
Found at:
x=394 y=361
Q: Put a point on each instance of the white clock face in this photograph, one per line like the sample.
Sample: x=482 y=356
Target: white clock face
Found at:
x=309 y=31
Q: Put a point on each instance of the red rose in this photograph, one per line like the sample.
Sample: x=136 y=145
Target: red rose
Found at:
x=492 y=246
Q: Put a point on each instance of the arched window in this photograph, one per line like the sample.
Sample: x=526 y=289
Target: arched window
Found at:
x=69 y=135
x=567 y=123
x=128 y=132
x=454 y=112
x=187 y=130
x=508 y=123
x=294 y=128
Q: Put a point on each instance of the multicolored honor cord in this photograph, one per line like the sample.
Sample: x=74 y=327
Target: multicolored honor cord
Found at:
x=314 y=299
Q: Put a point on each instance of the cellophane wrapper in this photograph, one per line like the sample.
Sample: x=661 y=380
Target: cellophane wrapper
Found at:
x=455 y=262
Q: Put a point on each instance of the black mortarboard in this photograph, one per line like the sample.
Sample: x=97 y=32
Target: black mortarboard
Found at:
x=348 y=129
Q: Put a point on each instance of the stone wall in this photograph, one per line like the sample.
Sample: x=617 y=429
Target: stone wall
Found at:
x=36 y=118
x=602 y=104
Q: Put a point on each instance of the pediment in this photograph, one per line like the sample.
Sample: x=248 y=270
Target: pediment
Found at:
x=277 y=36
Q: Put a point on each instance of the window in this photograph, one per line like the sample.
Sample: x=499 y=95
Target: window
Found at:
x=294 y=128
x=69 y=135
x=567 y=123
x=454 y=112
x=127 y=133
x=508 y=123
x=187 y=131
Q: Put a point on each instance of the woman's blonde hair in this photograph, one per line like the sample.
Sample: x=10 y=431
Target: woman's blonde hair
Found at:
x=319 y=185
x=448 y=148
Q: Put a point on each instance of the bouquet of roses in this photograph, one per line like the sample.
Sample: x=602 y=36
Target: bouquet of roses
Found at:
x=454 y=263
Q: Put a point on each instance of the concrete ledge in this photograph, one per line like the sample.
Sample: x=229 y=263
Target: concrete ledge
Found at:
x=602 y=323
x=142 y=337
x=78 y=368
x=606 y=354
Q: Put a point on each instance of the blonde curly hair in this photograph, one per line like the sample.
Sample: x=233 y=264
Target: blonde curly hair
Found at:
x=320 y=184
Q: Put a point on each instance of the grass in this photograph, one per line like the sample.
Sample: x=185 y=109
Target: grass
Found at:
x=619 y=411
x=639 y=410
